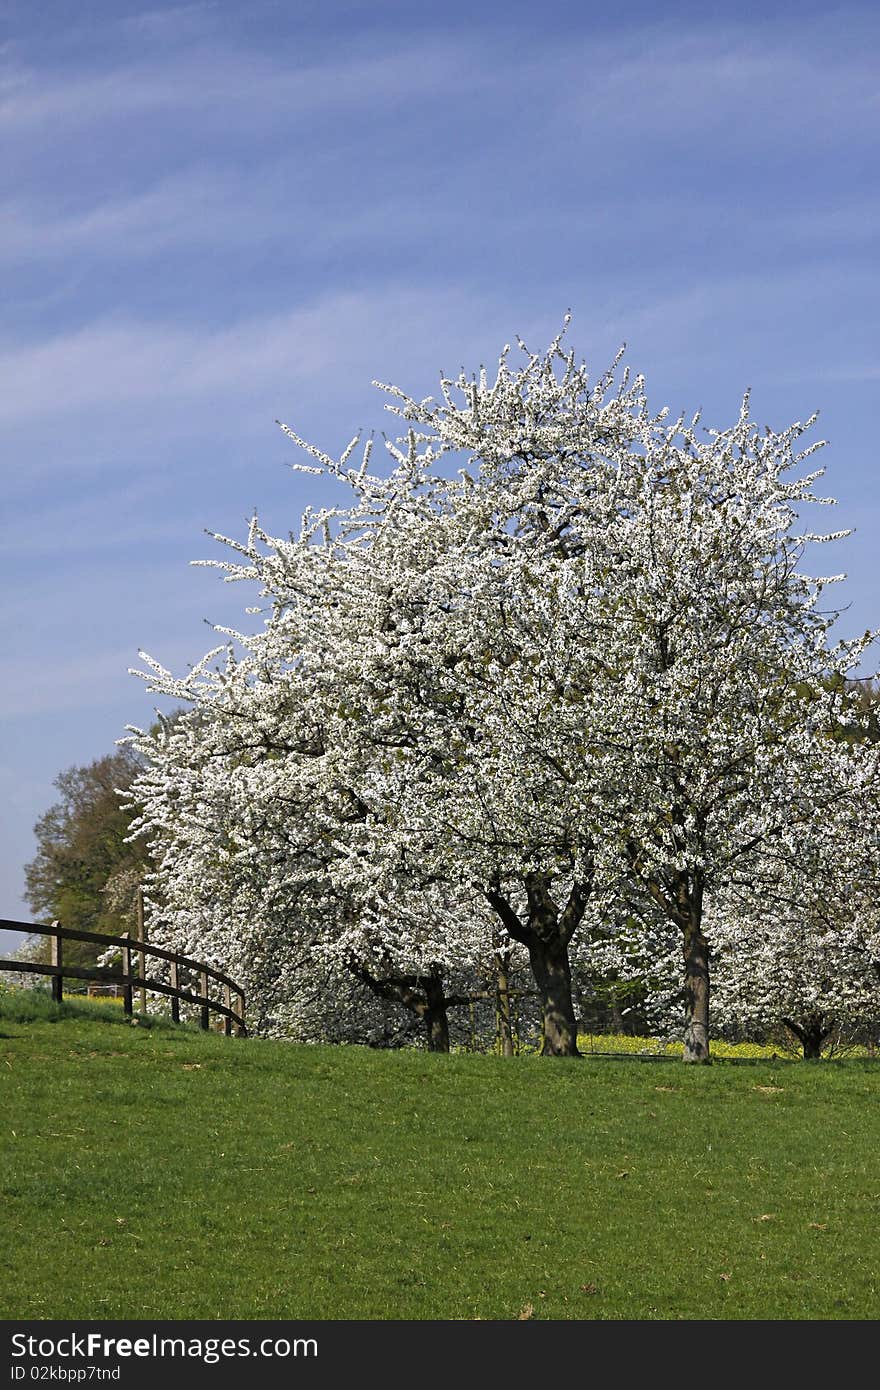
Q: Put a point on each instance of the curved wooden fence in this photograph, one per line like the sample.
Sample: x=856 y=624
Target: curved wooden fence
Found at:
x=231 y=1010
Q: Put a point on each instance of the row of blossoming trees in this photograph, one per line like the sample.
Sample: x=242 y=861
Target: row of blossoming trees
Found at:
x=548 y=692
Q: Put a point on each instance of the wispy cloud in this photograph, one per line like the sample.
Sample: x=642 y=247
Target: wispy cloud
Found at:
x=242 y=89
x=225 y=209
x=122 y=362
x=663 y=79
x=182 y=211
x=172 y=24
x=340 y=338
x=815 y=75
x=339 y=343
x=220 y=209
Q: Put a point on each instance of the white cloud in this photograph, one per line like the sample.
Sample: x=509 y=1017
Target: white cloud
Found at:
x=172 y=24
x=343 y=338
x=122 y=376
x=114 y=362
x=182 y=211
x=236 y=87
x=818 y=73
x=220 y=209
x=665 y=79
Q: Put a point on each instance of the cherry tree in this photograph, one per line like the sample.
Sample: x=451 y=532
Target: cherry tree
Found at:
x=273 y=853
x=561 y=655
x=431 y=638
x=795 y=925
x=705 y=673
x=812 y=962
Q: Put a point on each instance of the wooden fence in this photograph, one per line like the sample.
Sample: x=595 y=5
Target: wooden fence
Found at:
x=231 y=1009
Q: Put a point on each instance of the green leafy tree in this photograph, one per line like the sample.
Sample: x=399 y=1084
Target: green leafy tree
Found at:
x=84 y=874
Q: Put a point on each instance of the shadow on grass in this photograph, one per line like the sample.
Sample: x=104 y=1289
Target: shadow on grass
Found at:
x=675 y=1060
x=38 y=1006
x=775 y=1059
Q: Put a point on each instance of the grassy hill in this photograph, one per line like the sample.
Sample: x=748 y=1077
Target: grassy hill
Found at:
x=160 y=1173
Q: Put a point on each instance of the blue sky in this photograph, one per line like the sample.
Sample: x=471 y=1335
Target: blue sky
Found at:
x=218 y=214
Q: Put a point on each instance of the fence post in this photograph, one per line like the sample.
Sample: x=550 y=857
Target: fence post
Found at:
x=205 y=1019
x=240 y=1029
x=227 y=1000
x=126 y=970
x=175 y=984
x=56 y=959
x=141 y=936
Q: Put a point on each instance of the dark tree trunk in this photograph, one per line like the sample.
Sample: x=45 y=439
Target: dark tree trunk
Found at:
x=813 y=1046
x=423 y=995
x=696 y=996
x=546 y=934
x=680 y=898
x=811 y=1035
x=434 y=1014
x=552 y=972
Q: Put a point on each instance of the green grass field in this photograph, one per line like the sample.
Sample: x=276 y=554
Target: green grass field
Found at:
x=160 y=1173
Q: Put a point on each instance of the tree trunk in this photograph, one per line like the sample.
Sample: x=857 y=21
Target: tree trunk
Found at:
x=696 y=996
x=546 y=934
x=502 y=986
x=435 y=1016
x=423 y=995
x=812 y=1046
x=552 y=972
x=810 y=1035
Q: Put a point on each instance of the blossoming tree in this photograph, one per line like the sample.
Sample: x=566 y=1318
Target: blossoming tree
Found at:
x=561 y=655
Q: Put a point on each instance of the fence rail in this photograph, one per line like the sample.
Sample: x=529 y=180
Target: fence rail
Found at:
x=231 y=1010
